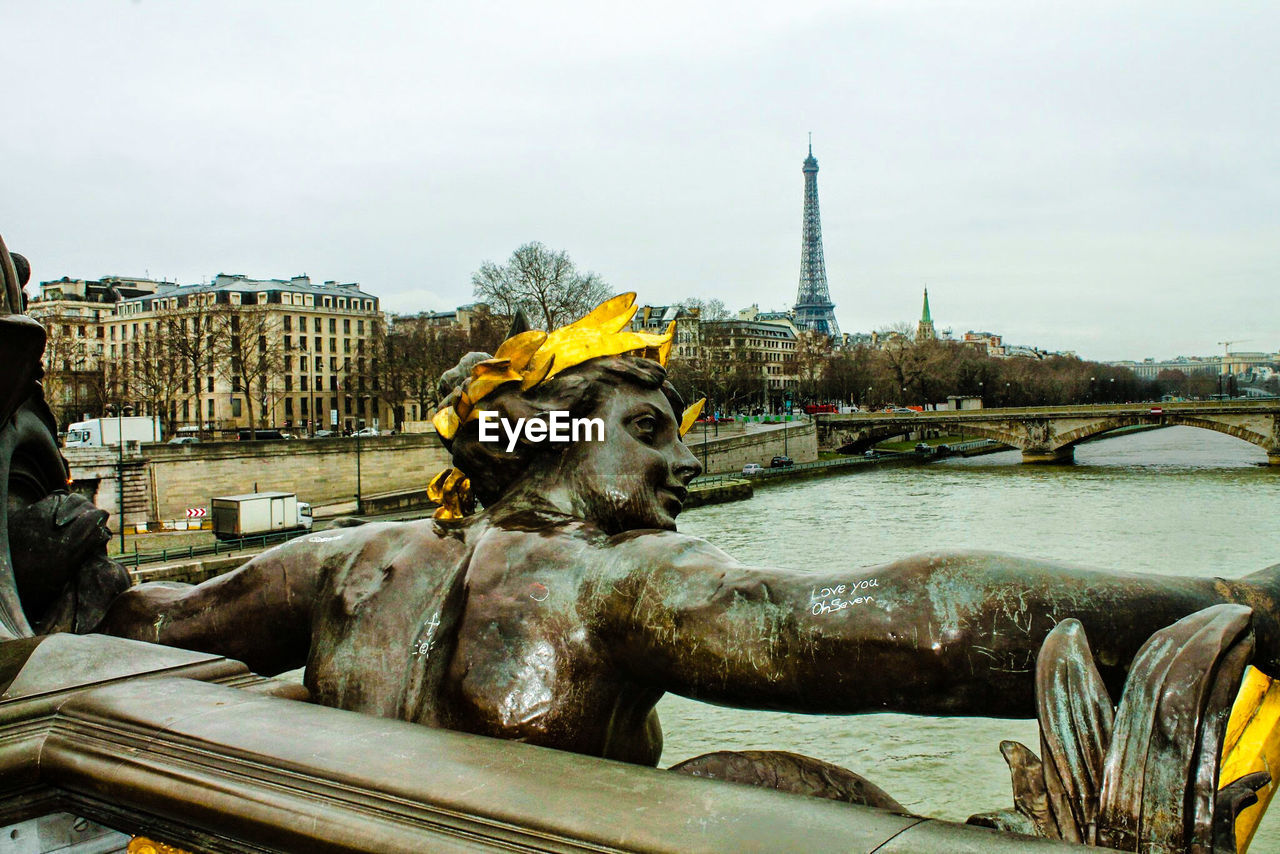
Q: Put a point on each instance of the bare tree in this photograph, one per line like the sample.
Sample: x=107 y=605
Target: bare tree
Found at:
x=195 y=345
x=156 y=368
x=711 y=309
x=66 y=360
x=543 y=282
x=412 y=354
x=811 y=354
x=389 y=367
x=250 y=352
x=846 y=375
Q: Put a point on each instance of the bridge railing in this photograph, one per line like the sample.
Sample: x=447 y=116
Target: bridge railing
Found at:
x=136 y=557
x=1065 y=409
x=972 y=445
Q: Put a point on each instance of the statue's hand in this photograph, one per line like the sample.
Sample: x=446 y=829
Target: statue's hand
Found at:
x=52 y=543
x=61 y=527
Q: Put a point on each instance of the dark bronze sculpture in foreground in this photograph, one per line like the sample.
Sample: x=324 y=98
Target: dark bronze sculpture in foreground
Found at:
x=54 y=572
x=562 y=612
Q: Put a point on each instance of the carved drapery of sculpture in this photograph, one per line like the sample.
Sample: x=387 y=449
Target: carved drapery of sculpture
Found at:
x=1144 y=775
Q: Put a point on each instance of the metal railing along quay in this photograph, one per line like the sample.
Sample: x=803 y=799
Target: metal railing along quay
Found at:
x=845 y=462
x=135 y=558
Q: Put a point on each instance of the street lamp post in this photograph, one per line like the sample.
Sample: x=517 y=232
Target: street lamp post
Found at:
x=358 y=498
x=704 y=447
x=120 y=468
x=704 y=435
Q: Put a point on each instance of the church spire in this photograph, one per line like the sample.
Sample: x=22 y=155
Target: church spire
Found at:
x=924 y=329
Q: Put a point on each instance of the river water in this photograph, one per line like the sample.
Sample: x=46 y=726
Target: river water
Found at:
x=1179 y=500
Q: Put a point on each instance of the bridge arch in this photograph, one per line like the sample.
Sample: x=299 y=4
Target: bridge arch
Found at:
x=1050 y=434
x=1074 y=437
x=1240 y=432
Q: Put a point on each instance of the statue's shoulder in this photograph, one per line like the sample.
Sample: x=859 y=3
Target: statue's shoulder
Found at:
x=338 y=551
x=653 y=549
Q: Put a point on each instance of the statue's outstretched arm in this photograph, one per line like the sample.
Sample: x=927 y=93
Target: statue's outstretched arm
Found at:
x=259 y=613
x=938 y=633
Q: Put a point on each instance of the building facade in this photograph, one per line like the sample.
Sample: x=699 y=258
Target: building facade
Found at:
x=237 y=352
x=749 y=361
x=74 y=314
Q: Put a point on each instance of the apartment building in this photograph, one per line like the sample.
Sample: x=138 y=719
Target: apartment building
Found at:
x=73 y=313
x=297 y=355
x=752 y=358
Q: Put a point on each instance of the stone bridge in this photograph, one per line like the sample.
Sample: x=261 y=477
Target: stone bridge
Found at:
x=1049 y=434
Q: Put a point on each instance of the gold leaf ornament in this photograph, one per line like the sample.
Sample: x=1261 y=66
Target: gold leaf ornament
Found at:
x=451 y=489
x=446 y=422
x=690 y=416
x=519 y=349
x=143 y=845
x=600 y=333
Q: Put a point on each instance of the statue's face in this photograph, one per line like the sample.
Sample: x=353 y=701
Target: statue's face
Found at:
x=637 y=477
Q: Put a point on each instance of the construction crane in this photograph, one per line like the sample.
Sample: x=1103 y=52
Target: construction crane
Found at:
x=1226 y=350
x=1226 y=364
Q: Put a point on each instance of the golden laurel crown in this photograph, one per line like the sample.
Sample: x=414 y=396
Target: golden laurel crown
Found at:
x=534 y=357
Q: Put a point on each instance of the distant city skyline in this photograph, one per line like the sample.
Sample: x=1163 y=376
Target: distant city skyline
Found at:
x=1101 y=179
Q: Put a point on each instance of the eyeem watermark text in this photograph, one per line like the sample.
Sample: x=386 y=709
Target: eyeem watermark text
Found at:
x=558 y=427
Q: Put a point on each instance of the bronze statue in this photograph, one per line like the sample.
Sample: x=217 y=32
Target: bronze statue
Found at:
x=54 y=572
x=562 y=611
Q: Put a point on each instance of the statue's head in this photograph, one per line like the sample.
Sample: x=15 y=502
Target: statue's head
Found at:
x=629 y=469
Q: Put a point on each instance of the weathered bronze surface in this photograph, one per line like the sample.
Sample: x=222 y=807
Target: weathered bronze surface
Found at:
x=54 y=572
x=789 y=772
x=1142 y=776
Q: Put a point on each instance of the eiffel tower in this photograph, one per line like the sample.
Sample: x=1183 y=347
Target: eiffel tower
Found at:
x=814 y=309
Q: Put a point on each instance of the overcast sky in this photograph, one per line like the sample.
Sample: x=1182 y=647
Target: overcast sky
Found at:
x=1101 y=177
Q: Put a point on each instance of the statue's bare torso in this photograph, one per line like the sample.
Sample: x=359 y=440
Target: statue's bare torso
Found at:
x=527 y=660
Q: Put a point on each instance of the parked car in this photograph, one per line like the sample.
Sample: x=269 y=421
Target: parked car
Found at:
x=258 y=435
x=781 y=462
x=324 y=434
x=923 y=447
x=185 y=440
x=752 y=468
x=902 y=410
x=366 y=432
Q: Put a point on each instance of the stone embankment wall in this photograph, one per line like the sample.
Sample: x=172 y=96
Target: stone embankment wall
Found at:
x=163 y=481
x=95 y=475
x=731 y=453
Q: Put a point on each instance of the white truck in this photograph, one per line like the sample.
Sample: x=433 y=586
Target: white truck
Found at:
x=99 y=432
x=257 y=513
